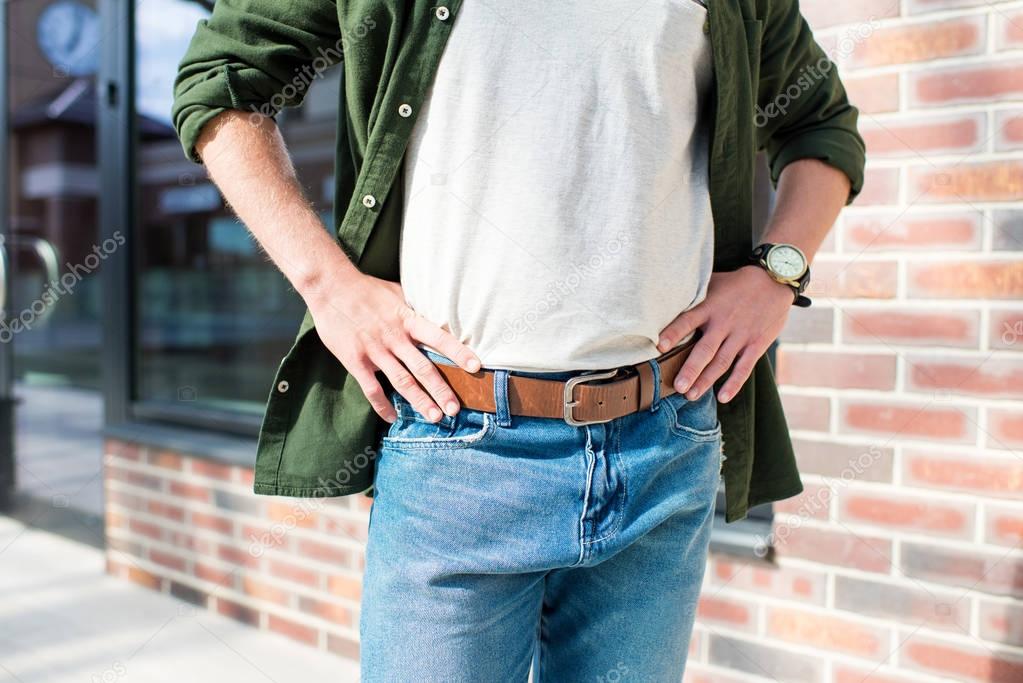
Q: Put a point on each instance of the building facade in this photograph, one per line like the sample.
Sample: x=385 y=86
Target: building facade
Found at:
x=146 y=369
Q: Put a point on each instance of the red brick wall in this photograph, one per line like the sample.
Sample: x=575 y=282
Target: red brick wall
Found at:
x=902 y=561
x=904 y=385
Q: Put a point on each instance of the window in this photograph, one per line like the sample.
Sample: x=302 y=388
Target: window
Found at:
x=213 y=315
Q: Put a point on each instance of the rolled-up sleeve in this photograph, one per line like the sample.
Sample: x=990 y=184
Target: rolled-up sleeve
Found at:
x=802 y=108
x=257 y=56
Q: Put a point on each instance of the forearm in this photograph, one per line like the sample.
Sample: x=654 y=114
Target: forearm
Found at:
x=247 y=159
x=810 y=196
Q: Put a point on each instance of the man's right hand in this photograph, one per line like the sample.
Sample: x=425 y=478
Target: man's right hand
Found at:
x=368 y=326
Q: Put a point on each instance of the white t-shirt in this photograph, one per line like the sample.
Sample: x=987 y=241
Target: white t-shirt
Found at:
x=557 y=213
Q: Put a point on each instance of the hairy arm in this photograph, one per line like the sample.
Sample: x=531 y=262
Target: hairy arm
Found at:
x=363 y=321
x=745 y=310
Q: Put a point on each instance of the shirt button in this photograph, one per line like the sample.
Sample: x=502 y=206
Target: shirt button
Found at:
x=369 y=201
x=405 y=111
x=283 y=386
x=443 y=13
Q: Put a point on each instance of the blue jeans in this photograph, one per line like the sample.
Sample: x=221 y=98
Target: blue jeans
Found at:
x=499 y=542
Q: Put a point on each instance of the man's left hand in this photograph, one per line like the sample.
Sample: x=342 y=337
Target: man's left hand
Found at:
x=743 y=313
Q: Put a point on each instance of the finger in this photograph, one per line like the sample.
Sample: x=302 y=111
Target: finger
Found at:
x=422 y=330
x=405 y=384
x=366 y=376
x=429 y=377
x=681 y=327
x=716 y=368
x=699 y=358
x=741 y=371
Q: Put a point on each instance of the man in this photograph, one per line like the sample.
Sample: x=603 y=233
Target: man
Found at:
x=564 y=192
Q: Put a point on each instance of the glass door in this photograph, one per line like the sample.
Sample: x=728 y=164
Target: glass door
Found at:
x=51 y=338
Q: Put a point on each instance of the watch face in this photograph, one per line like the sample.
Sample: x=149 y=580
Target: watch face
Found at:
x=786 y=261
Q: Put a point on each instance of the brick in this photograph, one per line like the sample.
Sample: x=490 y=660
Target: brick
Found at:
x=808 y=325
x=987 y=477
x=991 y=181
x=1008 y=231
x=893 y=510
x=125 y=500
x=291 y=515
x=190 y=542
x=844 y=462
x=964 y=661
x=323 y=552
x=1004 y=525
x=779 y=581
x=919 y=42
x=969 y=568
x=836 y=370
x=161 y=509
x=1009 y=129
x=813 y=503
x=122 y=450
x=993 y=82
x=246 y=476
x=292 y=572
x=807 y=412
x=880 y=187
x=292 y=629
x=854 y=279
x=763 y=660
x=844 y=673
x=147 y=481
x=209 y=469
x=1005 y=429
x=721 y=611
x=328 y=611
x=135 y=574
x=980 y=375
x=873 y=94
x=835 y=548
x=238 y=612
x=168 y=460
x=189 y=491
x=255 y=587
x=189 y=594
x=147 y=529
x=221 y=525
x=343 y=647
x=247 y=504
x=168 y=560
x=1009 y=31
x=909 y=421
x=355 y=529
x=1001 y=622
x=221 y=577
x=912 y=327
x=124 y=545
x=912 y=232
x=828 y=632
x=1006 y=331
x=966 y=279
x=237 y=557
x=824 y=13
x=921 y=6
x=342 y=586
x=903 y=602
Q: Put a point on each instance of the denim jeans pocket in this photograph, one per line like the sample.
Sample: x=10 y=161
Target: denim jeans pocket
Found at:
x=695 y=420
x=413 y=431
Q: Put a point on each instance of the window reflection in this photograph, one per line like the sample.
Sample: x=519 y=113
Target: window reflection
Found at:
x=214 y=315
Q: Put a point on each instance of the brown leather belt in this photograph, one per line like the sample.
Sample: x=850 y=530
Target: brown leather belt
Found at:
x=579 y=400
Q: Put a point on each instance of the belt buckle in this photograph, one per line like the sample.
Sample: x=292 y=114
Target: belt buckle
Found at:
x=569 y=398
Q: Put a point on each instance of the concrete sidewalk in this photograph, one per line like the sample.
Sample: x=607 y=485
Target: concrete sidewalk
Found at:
x=62 y=619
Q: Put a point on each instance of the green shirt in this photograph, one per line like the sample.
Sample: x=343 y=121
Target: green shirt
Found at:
x=774 y=89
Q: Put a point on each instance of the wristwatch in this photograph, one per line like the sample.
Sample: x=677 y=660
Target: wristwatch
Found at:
x=785 y=263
